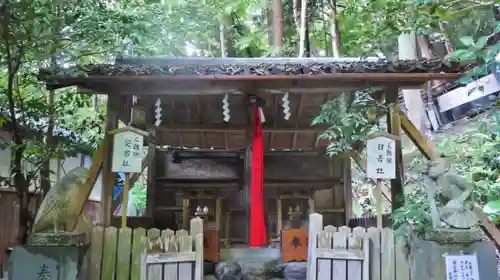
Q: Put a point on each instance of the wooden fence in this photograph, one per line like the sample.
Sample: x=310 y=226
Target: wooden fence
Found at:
x=9 y=221
x=140 y=254
x=346 y=253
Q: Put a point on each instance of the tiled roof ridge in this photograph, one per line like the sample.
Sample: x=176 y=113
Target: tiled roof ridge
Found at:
x=259 y=68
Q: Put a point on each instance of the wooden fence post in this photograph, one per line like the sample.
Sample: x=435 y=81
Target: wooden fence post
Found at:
x=196 y=231
x=315 y=227
x=195 y=226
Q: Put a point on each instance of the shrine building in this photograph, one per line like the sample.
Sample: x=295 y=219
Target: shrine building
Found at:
x=233 y=137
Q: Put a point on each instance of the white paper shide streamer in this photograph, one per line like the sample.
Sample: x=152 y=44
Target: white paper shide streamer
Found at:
x=286 y=106
x=158 y=112
x=135 y=99
x=261 y=115
x=226 y=112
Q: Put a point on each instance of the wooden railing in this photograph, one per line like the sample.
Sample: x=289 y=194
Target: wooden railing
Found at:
x=346 y=253
x=140 y=254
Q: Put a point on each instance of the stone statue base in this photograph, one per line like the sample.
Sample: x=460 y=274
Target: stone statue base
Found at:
x=45 y=262
x=455 y=236
x=63 y=239
x=428 y=255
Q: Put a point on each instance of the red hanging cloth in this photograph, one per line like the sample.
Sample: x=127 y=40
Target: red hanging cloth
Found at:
x=258 y=233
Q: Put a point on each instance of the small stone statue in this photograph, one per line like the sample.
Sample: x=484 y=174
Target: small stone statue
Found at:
x=450 y=191
x=63 y=204
x=294 y=220
x=201 y=212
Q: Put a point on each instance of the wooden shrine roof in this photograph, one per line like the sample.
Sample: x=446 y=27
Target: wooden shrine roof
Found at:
x=192 y=89
x=197 y=76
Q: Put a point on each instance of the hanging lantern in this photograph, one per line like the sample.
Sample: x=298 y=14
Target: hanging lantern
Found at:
x=285 y=104
x=226 y=112
x=158 y=112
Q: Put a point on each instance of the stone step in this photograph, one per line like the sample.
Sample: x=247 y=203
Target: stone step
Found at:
x=252 y=260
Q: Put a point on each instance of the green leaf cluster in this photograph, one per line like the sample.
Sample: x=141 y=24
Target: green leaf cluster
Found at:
x=55 y=34
x=350 y=119
x=477 y=51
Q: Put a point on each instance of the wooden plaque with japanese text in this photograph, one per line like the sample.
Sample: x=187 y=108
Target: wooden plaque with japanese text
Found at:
x=211 y=245
x=294 y=245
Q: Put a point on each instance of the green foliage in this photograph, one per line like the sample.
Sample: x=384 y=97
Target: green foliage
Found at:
x=415 y=214
x=492 y=207
x=140 y=195
x=479 y=52
x=350 y=119
x=368 y=26
x=56 y=33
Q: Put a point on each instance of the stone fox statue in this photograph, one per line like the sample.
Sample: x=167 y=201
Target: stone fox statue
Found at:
x=451 y=192
x=63 y=204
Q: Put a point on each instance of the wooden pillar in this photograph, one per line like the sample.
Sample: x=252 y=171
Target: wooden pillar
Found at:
x=185 y=212
x=151 y=178
x=247 y=180
x=394 y=127
x=424 y=145
x=347 y=189
x=108 y=177
x=310 y=202
x=227 y=225
x=218 y=211
x=279 y=217
x=247 y=185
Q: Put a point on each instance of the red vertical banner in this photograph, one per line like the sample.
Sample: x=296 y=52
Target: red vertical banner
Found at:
x=258 y=232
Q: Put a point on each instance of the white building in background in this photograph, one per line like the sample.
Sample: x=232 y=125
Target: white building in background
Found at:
x=458 y=102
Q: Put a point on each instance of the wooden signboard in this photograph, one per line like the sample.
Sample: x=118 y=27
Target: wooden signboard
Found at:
x=294 y=245
x=462 y=267
x=381 y=164
x=381 y=157
x=211 y=245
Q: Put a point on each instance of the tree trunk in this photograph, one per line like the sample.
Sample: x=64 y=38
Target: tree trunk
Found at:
x=407 y=49
x=303 y=27
x=307 y=42
x=269 y=18
x=296 y=4
x=334 y=32
x=49 y=135
x=277 y=26
x=228 y=38
x=49 y=144
x=20 y=182
x=222 y=40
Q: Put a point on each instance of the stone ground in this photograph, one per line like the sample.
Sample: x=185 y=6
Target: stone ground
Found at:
x=254 y=263
x=273 y=270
